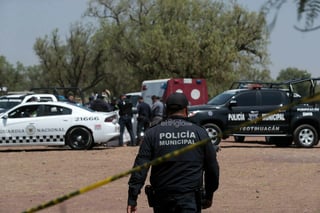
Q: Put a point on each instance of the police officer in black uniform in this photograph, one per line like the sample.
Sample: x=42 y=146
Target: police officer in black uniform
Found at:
x=177 y=182
x=125 y=113
x=100 y=105
x=144 y=117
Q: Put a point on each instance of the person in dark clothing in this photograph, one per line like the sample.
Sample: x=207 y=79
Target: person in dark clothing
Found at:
x=178 y=182
x=70 y=98
x=100 y=105
x=114 y=104
x=157 y=110
x=125 y=113
x=144 y=116
x=91 y=99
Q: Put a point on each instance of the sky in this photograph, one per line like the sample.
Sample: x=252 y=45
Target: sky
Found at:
x=22 y=21
x=289 y=47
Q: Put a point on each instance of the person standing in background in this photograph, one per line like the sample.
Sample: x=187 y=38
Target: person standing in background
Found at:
x=100 y=105
x=114 y=104
x=156 y=110
x=71 y=98
x=125 y=113
x=144 y=117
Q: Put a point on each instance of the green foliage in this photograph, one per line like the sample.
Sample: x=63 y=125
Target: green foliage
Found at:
x=12 y=77
x=210 y=39
x=79 y=62
x=296 y=74
x=35 y=77
x=291 y=73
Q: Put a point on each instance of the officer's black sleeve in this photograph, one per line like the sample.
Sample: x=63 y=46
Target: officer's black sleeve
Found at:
x=137 y=179
x=211 y=171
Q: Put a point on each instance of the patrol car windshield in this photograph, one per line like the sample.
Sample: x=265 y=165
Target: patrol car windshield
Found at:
x=222 y=98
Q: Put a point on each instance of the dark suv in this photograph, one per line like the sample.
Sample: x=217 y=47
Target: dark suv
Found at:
x=278 y=113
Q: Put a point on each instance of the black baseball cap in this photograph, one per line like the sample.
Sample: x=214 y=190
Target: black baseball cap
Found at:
x=176 y=101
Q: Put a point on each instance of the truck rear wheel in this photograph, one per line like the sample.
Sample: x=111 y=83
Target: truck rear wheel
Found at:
x=214 y=132
x=305 y=136
x=269 y=140
x=238 y=138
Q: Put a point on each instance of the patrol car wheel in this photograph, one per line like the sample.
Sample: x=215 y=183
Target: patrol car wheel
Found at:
x=79 y=138
x=238 y=138
x=305 y=136
x=214 y=133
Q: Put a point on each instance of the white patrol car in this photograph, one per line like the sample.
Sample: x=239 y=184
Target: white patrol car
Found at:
x=56 y=123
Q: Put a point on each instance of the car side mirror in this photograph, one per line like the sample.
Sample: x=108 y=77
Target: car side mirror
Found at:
x=232 y=103
x=5 y=116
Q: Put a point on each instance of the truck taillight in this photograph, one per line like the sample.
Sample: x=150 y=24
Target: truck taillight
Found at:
x=193 y=113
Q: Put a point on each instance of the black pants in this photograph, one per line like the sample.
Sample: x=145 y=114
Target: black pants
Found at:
x=125 y=121
x=178 y=203
x=142 y=126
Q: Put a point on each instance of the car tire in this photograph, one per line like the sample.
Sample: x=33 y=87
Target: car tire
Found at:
x=214 y=133
x=239 y=138
x=305 y=136
x=269 y=140
x=79 y=138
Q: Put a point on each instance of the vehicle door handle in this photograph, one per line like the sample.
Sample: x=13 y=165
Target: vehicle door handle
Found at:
x=254 y=112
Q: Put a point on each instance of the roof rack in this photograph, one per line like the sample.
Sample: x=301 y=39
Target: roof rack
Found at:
x=20 y=93
x=63 y=90
x=277 y=85
x=244 y=84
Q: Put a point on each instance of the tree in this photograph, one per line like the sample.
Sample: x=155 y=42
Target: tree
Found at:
x=307 y=10
x=10 y=75
x=291 y=73
x=296 y=74
x=34 y=77
x=158 y=39
x=79 y=62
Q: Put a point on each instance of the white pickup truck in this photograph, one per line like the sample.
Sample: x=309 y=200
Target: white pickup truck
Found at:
x=9 y=101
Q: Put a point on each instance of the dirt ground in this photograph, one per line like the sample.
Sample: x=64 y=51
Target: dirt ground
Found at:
x=255 y=177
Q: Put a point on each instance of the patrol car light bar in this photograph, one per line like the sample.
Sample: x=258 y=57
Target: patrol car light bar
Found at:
x=254 y=86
